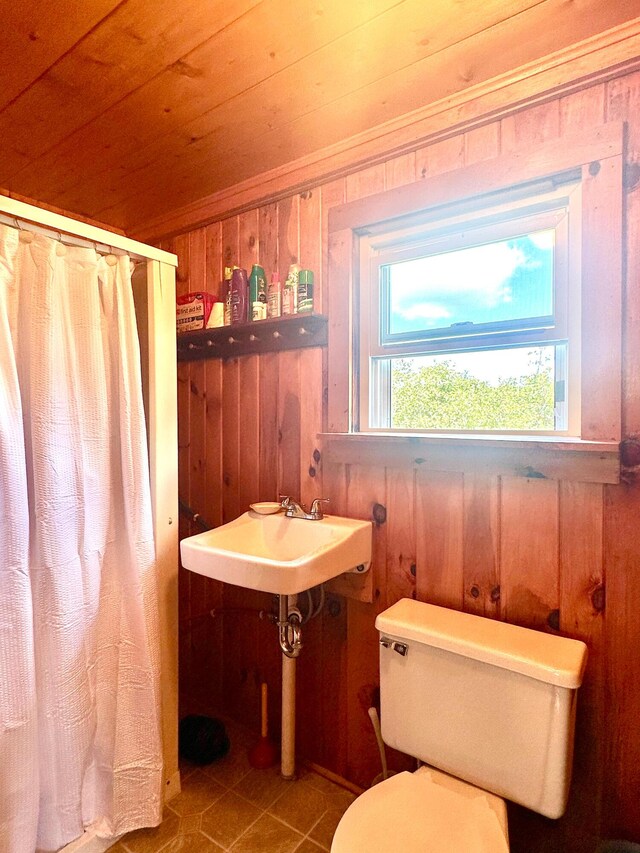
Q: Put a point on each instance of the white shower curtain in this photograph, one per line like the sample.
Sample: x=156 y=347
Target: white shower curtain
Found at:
x=80 y=742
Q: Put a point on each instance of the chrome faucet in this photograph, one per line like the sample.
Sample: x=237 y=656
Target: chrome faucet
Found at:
x=293 y=509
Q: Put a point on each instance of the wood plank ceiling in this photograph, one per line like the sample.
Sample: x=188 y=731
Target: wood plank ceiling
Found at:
x=122 y=110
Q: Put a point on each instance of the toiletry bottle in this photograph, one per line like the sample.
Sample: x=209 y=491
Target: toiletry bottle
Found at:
x=305 y=292
x=257 y=293
x=239 y=296
x=226 y=290
x=290 y=291
x=274 y=296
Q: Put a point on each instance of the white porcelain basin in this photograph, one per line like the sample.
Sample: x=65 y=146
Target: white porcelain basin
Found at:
x=278 y=554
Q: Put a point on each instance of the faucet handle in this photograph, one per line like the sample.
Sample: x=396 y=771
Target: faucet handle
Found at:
x=284 y=501
x=316 y=510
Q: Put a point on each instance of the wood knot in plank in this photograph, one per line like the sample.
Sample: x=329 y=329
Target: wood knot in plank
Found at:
x=553 y=620
x=379 y=514
x=598 y=598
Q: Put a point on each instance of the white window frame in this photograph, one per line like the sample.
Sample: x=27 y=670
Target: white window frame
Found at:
x=519 y=210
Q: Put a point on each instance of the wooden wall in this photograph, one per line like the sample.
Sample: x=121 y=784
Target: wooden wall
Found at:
x=557 y=556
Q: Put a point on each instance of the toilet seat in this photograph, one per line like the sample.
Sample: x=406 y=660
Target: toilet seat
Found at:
x=423 y=812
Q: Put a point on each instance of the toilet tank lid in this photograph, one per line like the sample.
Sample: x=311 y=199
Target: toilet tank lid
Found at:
x=545 y=657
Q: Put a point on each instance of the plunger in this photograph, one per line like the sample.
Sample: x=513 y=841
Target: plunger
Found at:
x=264 y=754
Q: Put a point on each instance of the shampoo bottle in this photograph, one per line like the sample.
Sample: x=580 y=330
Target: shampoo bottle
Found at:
x=239 y=296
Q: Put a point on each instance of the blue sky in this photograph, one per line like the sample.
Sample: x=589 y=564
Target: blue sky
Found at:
x=506 y=280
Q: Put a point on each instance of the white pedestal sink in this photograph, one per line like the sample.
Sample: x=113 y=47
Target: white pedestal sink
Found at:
x=285 y=556
x=278 y=554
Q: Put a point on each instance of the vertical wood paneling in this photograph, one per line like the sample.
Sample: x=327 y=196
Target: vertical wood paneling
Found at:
x=582 y=598
x=366 y=488
x=268 y=238
x=439 y=504
x=339 y=332
x=268 y=485
x=366 y=498
x=288 y=234
x=241 y=629
x=311 y=400
x=400 y=574
x=268 y=367
x=311 y=359
x=331 y=195
x=231 y=395
x=289 y=423
x=481 y=545
x=213 y=274
x=248 y=378
x=621 y=805
x=230 y=425
x=249 y=418
x=211 y=509
x=197 y=260
x=529 y=552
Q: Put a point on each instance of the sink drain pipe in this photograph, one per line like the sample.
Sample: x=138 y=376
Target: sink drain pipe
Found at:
x=290 y=642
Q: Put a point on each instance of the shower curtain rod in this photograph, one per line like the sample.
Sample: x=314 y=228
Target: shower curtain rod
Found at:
x=22 y=215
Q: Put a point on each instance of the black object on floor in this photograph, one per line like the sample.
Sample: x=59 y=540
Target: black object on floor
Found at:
x=201 y=739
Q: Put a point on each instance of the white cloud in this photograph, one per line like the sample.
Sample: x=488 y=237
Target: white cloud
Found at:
x=479 y=275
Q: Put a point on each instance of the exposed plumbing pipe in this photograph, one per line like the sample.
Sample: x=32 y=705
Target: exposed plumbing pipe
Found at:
x=289 y=633
x=290 y=643
x=288 y=732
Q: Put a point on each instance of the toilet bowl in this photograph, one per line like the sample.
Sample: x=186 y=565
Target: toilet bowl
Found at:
x=423 y=812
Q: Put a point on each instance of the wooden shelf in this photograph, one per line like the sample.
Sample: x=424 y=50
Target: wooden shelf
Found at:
x=282 y=333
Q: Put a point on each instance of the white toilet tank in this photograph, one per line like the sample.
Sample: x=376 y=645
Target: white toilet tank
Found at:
x=488 y=702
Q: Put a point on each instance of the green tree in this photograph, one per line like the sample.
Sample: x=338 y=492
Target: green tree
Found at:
x=440 y=397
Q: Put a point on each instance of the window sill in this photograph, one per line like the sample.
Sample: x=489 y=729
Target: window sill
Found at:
x=537 y=457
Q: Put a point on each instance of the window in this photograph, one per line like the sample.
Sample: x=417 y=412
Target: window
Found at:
x=469 y=316
x=550 y=322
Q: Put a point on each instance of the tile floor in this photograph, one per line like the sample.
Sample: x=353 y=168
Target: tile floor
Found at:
x=231 y=806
